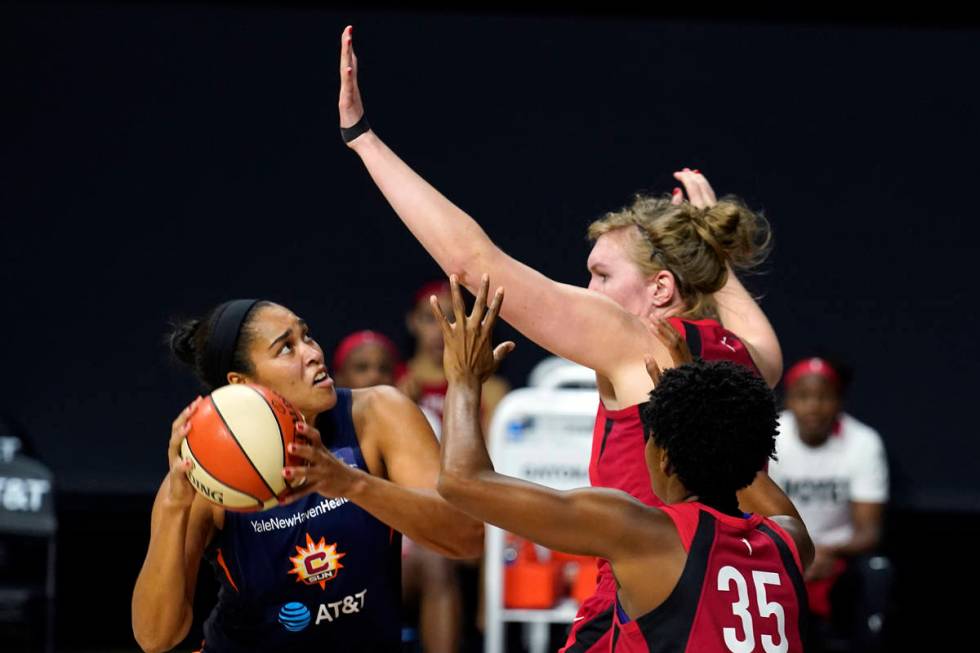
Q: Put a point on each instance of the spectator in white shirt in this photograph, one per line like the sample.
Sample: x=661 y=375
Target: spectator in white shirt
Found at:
x=834 y=469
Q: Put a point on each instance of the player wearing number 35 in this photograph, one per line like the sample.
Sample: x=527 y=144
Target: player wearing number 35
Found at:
x=695 y=574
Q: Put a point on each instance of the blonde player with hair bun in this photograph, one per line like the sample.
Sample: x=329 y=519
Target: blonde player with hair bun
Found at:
x=669 y=259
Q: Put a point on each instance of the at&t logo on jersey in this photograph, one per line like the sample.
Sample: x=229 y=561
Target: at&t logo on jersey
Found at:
x=316 y=563
x=294 y=617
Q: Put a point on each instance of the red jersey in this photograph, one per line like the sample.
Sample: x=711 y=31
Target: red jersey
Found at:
x=432 y=396
x=617 y=438
x=618 y=462
x=741 y=590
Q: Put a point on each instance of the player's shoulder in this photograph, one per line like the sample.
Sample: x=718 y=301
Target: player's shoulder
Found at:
x=659 y=528
x=793 y=532
x=376 y=394
x=379 y=401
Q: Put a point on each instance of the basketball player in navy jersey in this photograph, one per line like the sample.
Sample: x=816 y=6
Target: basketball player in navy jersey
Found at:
x=658 y=257
x=696 y=573
x=321 y=573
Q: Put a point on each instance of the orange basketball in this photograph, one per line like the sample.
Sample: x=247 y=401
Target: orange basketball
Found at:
x=237 y=441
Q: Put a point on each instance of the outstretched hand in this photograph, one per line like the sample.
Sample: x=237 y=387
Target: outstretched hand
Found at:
x=467 y=350
x=680 y=353
x=349 y=104
x=699 y=191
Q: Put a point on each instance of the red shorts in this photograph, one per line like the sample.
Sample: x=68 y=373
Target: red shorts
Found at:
x=818 y=591
x=593 y=625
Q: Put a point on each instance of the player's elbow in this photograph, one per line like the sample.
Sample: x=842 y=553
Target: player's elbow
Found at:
x=151 y=641
x=151 y=646
x=471 y=262
x=468 y=540
x=156 y=637
x=451 y=486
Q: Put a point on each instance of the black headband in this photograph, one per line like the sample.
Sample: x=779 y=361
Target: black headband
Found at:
x=223 y=339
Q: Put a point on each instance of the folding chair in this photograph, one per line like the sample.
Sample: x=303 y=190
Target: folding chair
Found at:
x=27 y=518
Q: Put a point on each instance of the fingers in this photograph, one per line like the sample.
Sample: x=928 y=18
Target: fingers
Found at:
x=352 y=60
x=298 y=493
x=502 y=350
x=666 y=333
x=311 y=434
x=476 y=315
x=181 y=466
x=706 y=190
x=320 y=471
x=441 y=318
x=680 y=353
x=652 y=369
x=185 y=414
x=459 y=309
x=179 y=488
x=304 y=451
x=676 y=196
x=689 y=179
x=296 y=477
x=699 y=191
x=180 y=428
x=494 y=311
x=346 y=50
x=349 y=103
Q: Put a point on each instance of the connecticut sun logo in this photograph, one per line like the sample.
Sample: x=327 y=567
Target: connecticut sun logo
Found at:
x=317 y=563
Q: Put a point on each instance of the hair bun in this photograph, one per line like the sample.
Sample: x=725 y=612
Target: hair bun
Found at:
x=181 y=341
x=741 y=235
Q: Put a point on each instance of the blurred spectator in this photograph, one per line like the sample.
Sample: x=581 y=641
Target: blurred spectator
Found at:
x=366 y=358
x=834 y=469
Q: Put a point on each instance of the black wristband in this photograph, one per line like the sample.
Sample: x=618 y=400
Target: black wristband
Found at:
x=350 y=133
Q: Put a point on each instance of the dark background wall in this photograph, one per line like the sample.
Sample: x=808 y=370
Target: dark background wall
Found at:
x=158 y=159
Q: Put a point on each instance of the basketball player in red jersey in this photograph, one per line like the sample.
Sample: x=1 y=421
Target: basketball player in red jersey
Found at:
x=695 y=574
x=658 y=257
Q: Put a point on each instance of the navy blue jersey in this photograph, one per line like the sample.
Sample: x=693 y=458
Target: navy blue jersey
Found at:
x=318 y=575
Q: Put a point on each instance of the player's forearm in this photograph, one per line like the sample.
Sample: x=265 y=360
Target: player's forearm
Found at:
x=451 y=237
x=464 y=451
x=162 y=610
x=468 y=481
x=466 y=477
x=740 y=313
x=421 y=514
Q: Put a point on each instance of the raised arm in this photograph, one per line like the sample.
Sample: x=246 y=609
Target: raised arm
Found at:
x=180 y=527
x=589 y=521
x=739 y=312
x=605 y=336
